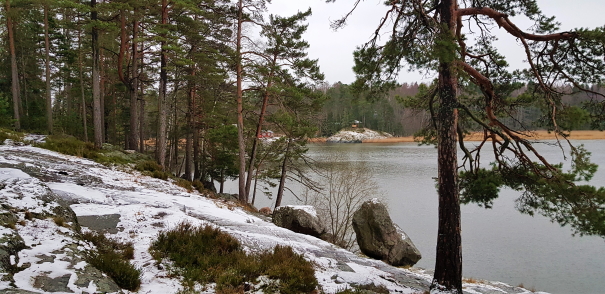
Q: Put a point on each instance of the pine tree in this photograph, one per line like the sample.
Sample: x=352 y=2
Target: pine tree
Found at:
x=475 y=85
x=285 y=46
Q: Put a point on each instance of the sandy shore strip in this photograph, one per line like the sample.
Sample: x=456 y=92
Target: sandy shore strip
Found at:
x=534 y=135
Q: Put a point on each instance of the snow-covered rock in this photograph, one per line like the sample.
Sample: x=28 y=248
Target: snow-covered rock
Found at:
x=299 y=218
x=135 y=208
x=356 y=136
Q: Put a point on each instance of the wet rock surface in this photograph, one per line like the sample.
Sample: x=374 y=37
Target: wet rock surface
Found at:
x=100 y=223
x=378 y=237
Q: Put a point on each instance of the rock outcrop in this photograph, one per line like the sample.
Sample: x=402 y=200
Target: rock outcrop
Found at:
x=356 y=136
x=40 y=248
x=378 y=237
x=300 y=219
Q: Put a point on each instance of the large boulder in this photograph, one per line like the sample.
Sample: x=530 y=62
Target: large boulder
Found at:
x=302 y=219
x=379 y=238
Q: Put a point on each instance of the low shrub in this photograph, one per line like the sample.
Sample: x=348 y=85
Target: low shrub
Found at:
x=208 y=255
x=111 y=257
x=147 y=165
x=185 y=184
x=121 y=271
x=8 y=134
x=160 y=175
x=59 y=221
x=368 y=288
x=152 y=168
x=71 y=146
x=296 y=274
x=198 y=185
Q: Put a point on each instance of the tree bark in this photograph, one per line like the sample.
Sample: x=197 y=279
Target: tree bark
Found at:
x=84 y=123
x=190 y=130
x=138 y=85
x=243 y=197
x=162 y=111
x=103 y=79
x=134 y=89
x=96 y=79
x=448 y=265
x=133 y=137
x=49 y=109
x=197 y=171
x=14 y=70
x=282 y=180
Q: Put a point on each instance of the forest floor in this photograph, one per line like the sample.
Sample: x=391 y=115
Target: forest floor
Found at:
x=533 y=135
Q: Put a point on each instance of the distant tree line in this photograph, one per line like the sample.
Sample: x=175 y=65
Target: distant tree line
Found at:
x=393 y=113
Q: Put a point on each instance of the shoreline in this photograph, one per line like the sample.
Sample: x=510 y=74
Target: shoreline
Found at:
x=478 y=136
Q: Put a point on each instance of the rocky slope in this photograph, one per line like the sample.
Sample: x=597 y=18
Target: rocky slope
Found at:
x=357 y=135
x=39 y=254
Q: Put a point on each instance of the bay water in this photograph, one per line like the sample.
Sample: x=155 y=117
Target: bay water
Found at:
x=499 y=244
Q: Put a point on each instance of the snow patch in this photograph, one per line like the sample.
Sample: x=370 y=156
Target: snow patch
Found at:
x=11 y=173
x=357 y=136
x=306 y=208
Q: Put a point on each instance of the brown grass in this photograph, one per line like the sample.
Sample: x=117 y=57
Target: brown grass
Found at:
x=533 y=135
x=470 y=280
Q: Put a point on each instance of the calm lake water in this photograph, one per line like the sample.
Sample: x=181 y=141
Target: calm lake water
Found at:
x=498 y=244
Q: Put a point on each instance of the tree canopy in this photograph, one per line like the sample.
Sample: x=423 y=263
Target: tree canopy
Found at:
x=475 y=91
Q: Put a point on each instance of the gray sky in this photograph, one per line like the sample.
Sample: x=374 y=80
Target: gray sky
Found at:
x=335 y=49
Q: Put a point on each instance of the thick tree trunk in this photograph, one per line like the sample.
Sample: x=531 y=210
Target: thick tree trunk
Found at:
x=282 y=180
x=135 y=101
x=49 y=107
x=96 y=80
x=197 y=171
x=190 y=129
x=14 y=71
x=102 y=95
x=133 y=136
x=138 y=85
x=162 y=111
x=448 y=265
x=243 y=197
x=80 y=67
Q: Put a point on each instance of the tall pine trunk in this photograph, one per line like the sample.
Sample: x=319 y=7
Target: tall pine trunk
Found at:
x=134 y=95
x=16 y=91
x=162 y=111
x=190 y=129
x=83 y=96
x=197 y=171
x=259 y=126
x=448 y=265
x=243 y=197
x=96 y=79
x=49 y=107
x=133 y=136
x=141 y=88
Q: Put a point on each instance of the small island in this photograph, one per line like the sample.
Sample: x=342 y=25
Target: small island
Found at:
x=356 y=135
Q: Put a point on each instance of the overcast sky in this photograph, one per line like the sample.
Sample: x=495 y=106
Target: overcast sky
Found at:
x=334 y=49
